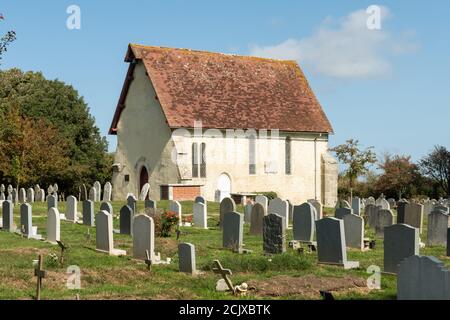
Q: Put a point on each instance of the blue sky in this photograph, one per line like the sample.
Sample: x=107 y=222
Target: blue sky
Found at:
x=389 y=88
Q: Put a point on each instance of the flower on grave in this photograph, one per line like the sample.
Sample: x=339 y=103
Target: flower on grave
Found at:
x=169 y=219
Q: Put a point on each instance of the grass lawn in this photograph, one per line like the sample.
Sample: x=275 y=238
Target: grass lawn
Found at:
x=286 y=276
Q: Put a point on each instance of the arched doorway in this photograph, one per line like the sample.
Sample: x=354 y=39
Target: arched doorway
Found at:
x=143 y=178
x=223 y=186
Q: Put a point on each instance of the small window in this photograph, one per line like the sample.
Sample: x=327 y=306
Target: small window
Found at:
x=127 y=178
x=252 y=155
x=203 y=160
x=195 y=161
x=288 y=155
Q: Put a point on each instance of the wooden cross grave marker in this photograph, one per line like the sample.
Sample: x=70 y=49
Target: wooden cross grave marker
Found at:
x=63 y=249
x=39 y=272
x=225 y=273
x=148 y=260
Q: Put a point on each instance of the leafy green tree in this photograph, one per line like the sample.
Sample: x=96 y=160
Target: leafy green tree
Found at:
x=436 y=166
x=357 y=161
x=60 y=106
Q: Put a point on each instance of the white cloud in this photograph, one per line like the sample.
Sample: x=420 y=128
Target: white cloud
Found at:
x=343 y=49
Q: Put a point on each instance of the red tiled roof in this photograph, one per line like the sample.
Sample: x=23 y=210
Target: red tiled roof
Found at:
x=227 y=91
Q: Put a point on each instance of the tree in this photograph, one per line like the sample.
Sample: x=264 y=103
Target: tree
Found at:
x=356 y=160
x=436 y=165
x=30 y=151
x=60 y=106
x=9 y=37
x=398 y=174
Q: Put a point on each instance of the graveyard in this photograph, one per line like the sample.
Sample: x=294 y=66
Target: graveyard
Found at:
x=288 y=275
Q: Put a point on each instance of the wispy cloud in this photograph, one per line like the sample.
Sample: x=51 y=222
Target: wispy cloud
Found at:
x=345 y=48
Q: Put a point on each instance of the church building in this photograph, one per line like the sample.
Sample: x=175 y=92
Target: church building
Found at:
x=195 y=123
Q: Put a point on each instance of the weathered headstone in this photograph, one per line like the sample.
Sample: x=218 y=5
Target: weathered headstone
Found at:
x=248 y=212
x=52 y=201
x=371 y=213
x=107 y=191
x=385 y=218
x=143 y=237
x=281 y=208
x=88 y=213
x=356 y=205
x=441 y=208
x=98 y=191
x=274 y=234
x=392 y=203
x=233 y=224
x=107 y=207
x=104 y=234
x=304 y=222
x=175 y=206
x=72 y=209
x=7 y=215
x=200 y=215
x=200 y=199
x=423 y=278
x=354 y=231
x=41 y=195
x=30 y=195
x=414 y=215
x=144 y=192
x=186 y=256
x=400 y=242
x=53 y=225
x=263 y=200
x=428 y=207
x=401 y=207
x=93 y=194
x=341 y=212
x=331 y=246
x=382 y=202
x=22 y=195
x=256 y=219
x=26 y=222
x=438 y=224
x=319 y=208
x=84 y=193
x=226 y=205
x=131 y=202
x=150 y=204
x=125 y=220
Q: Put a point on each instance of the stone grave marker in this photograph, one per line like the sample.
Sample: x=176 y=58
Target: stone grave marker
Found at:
x=125 y=220
x=401 y=207
x=186 y=256
x=356 y=206
x=93 y=194
x=385 y=218
x=150 y=204
x=7 y=215
x=131 y=202
x=53 y=225
x=200 y=199
x=331 y=246
x=200 y=215
x=304 y=226
x=274 y=234
x=26 y=222
x=248 y=212
x=319 y=208
x=72 y=209
x=175 y=206
x=263 y=200
x=257 y=218
x=98 y=191
x=281 y=208
x=52 y=202
x=107 y=207
x=88 y=213
x=226 y=205
x=341 y=212
x=144 y=192
x=438 y=224
x=107 y=191
x=400 y=242
x=233 y=223
x=104 y=234
x=30 y=195
x=354 y=231
x=143 y=237
x=22 y=195
x=414 y=215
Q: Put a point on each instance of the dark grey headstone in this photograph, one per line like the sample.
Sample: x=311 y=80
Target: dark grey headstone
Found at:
x=304 y=217
x=200 y=199
x=256 y=219
x=52 y=201
x=107 y=207
x=233 y=223
x=400 y=242
x=401 y=206
x=438 y=224
x=88 y=213
x=143 y=236
x=8 y=217
x=131 y=202
x=226 y=205
x=274 y=234
x=385 y=218
x=26 y=219
x=150 y=204
x=186 y=256
x=354 y=231
x=126 y=216
x=341 y=212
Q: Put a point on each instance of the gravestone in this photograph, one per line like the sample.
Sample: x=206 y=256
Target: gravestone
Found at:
x=371 y=213
x=143 y=237
x=233 y=223
x=428 y=207
x=150 y=204
x=438 y=224
x=104 y=234
x=52 y=202
x=342 y=204
x=131 y=202
x=200 y=199
x=22 y=195
x=84 y=193
x=7 y=215
x=414 y=215
x=72 y=209
x=392 y=203
x=281 y=208
x=354 y=231
x=88 y=213
x=175 y=206
x=186 y=257
x=256 y=219
x=304 y=218
x=53 y=225
x=107 y=207
x=441 y=208
x=263 y=200
x=200 y=215
x=382 y=202
x=93 y=194
x=41 y=195
x=331 y=245
x=125 y=220
x=341 y=212
x=144 y=192
x=98 y=191
x=274 y=234
x=248 y=212
x=2 y=196
x=15 y=196
x=226 y=205
x=385 y=218
x=356 y=205
x=107 y=191
x=400 y=242
x=401 y=207
x=290 y=210
x=319 y=208
x=30 y=195
x=26 y=222
x=423 y=278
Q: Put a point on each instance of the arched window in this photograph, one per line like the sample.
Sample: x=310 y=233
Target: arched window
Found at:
x=195 y=161
x=252 y=154
x=288 y=156
x=203 y=160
